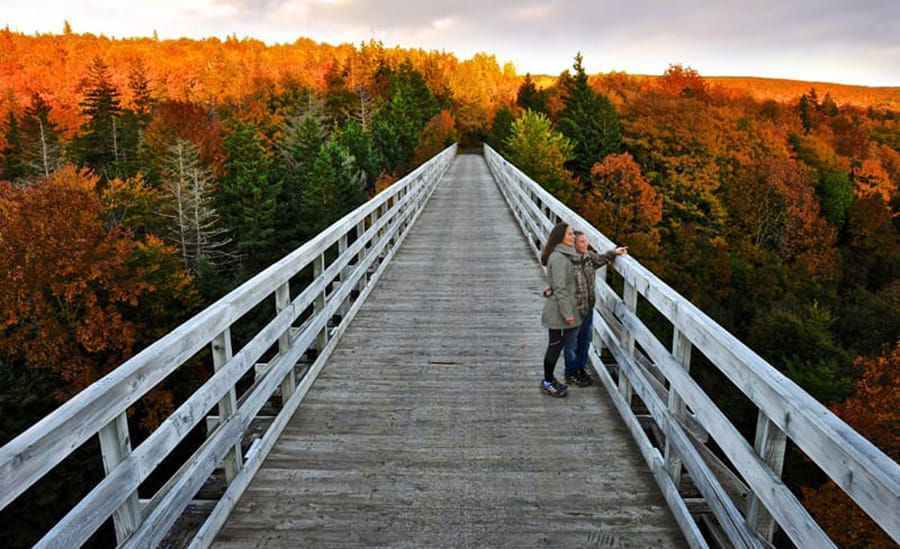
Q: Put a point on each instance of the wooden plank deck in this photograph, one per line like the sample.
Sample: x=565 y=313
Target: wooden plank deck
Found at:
x=427 y=428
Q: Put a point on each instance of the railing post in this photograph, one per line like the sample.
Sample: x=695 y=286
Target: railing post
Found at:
x=221 y=350
x=681 y=350
x=282 y=301
x=769 y=444
x=319 y=306
x=630 y=296
x=115 y=445
x=360 y=259
x=342 y=247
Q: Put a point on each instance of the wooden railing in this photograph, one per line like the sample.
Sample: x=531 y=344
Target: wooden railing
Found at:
x=747 y=498
x=343 y=262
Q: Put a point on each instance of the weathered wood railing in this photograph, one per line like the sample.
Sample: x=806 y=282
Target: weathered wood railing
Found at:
x=748 y=498
x=346 y=260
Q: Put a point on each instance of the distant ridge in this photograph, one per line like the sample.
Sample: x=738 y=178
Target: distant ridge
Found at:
x=787 y=91
x=790 y=90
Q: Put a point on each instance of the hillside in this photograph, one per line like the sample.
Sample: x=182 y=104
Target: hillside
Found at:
x=790 y=90
x=887 y=98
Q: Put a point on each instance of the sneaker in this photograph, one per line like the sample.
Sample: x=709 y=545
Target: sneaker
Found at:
x=584 y=376
x=577 y=380
x=562 y=386
x=553 y=389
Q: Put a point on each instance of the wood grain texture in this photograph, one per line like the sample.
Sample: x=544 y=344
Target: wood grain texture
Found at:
x=427 y=429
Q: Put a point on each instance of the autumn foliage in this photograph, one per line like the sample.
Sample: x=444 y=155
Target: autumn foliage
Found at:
x=78 y=283
x=874 y=411
x=773 y=205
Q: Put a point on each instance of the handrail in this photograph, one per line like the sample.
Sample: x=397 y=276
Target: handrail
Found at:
x=865 y=473
x=364 y=241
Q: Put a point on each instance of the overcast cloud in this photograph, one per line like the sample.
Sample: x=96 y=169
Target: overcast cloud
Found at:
x=854 y=42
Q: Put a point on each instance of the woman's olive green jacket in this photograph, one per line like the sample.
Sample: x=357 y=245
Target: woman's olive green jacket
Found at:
x=561 y=278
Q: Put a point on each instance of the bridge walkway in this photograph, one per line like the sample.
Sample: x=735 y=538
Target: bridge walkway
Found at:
x=427 y=429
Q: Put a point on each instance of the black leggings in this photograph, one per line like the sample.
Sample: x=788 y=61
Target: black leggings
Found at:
x=558 y=339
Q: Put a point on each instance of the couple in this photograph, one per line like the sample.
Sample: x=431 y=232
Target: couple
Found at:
x=568 y=310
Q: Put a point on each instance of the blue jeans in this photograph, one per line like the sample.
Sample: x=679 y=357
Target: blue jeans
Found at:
x=575 y=353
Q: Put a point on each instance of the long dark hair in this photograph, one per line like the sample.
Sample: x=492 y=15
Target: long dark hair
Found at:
x=557 y=233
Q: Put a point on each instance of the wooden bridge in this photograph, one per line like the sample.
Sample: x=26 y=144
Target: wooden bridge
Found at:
x=391 y=399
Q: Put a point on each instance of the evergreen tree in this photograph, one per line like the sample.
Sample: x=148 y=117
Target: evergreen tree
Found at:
x=14 y=167
x=335 y=187
x=590 y=121
x=98 y=144
x=805 y=119
x=302 y=137
x=340 y=102
x=799 y=340
x=399 y=122
x=358 y=143
x=143 y=100
x=40 y=138
x=501 y=126
x=248 y=200
x=529 y=97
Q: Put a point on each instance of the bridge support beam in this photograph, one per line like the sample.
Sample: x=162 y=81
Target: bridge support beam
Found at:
x=681 y=351
x=282 y=301
x=222 y=353
x=630 y=296
x=115 y=446
x=319 y=306
x=769 y=444
x=361 y=256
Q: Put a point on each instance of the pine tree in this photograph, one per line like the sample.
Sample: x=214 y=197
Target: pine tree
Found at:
x=40 y=138
x=399 y=122
x=302 y=137
x=335 y=187
x=590 y=121
x=143 y=100
x=248 y=200
x=358 y=143
x=501 y=125
x=98 y=143
x=529 y=97
x=14 y=167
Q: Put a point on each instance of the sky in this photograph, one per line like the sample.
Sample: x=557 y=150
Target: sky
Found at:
x=839 y=41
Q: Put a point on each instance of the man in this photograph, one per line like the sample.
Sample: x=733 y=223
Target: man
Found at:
x=575 y=355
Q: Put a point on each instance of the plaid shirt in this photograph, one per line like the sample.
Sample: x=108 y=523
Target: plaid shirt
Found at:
x=586 y=276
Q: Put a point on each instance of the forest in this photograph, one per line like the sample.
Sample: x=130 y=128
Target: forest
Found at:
x=141 y=179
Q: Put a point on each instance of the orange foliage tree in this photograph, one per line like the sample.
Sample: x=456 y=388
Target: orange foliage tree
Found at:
x=623 y=205
x=438 y=134
x=874 y=411
x=684 y=82
x=77 y=297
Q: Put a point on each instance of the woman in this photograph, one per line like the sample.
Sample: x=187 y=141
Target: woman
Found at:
x=560 y=314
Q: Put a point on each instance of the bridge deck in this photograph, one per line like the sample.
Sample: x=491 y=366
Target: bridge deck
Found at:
x=427 y=429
